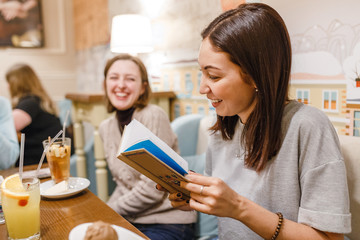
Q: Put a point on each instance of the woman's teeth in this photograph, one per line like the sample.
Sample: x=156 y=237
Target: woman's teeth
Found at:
x=120 y=94
x=215 y=100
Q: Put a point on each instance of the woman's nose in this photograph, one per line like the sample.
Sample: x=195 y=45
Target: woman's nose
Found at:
x=204 y=88
x=121 y=83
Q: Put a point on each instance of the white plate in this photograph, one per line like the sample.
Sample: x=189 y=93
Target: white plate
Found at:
x=43 y=173
x=76 y=185
x=78 y=232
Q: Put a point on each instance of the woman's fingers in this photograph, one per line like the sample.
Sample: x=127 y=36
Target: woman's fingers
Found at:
x=195 y=188
x=183 y=205
x=176 y=196
x=179 y=203
x=199 y=179
x=160 y=188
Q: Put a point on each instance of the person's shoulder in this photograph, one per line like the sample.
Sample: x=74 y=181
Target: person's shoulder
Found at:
x=307 y=118
x=152 y=108
x=108 y=122
x=305 y=113
x=4 y=101
x=152 y=111
x=29 y=100
x=5 y=107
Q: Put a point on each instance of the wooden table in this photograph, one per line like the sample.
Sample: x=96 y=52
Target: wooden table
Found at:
x=91 y=107
x=58 y=217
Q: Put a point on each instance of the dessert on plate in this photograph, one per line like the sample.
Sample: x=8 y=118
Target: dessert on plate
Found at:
x=100 y=231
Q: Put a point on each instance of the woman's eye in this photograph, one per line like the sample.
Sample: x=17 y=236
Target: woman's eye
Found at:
x=213 y=77
x=113 y=78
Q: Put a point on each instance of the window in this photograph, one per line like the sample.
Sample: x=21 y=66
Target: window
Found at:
x=201 y=110
x=199 y=76
x=330 y=100
x=303 y=95
x=188 y=109
x=177 y=110
x=188 y=83
x=356 y=123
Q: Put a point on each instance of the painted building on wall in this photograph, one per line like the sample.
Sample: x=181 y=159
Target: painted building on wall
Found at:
x=327 y=88
x=183 y=77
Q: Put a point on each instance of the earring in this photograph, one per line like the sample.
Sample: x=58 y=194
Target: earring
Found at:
x=256 y=90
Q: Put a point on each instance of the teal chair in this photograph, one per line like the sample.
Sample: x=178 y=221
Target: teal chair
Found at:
x=187 y=130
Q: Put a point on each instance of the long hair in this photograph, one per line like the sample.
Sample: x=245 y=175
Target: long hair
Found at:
x=23 y=81
x=143 y=98
x=256 y=39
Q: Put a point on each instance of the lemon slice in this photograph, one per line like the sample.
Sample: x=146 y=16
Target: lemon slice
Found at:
x=12 y=187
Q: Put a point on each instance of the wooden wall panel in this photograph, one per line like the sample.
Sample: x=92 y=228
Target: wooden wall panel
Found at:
x=91 y=20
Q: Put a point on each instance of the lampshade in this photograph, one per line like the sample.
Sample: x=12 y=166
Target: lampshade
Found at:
x=131 y=33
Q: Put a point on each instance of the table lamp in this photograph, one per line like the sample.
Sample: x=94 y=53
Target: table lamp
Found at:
x=131 y=33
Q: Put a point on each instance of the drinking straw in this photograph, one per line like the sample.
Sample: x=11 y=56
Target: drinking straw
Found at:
x=45 y=150
x=21 y=161
x=64 y=126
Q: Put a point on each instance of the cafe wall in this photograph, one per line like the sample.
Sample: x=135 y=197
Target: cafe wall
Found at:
x=324 y=33
x=55 y=63
x=325 y=36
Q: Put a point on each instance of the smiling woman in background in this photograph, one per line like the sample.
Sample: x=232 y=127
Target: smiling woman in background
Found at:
x=128 y=92
x=34 y=112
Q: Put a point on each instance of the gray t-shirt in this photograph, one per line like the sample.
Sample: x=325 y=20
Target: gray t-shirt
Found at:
x=306 y=180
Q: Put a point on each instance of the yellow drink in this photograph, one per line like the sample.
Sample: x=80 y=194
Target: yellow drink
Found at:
x=58 y=157
x=21 y=206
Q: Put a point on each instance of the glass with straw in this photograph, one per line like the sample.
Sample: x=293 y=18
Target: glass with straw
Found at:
x=58 y=153
x=21 y=203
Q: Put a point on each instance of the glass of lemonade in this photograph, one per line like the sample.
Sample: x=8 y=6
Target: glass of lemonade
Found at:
x=58 y=158
x=21 y=206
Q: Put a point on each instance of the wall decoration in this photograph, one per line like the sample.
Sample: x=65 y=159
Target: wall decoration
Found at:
x=21 y=24
x=91 y=25
x=326 y=62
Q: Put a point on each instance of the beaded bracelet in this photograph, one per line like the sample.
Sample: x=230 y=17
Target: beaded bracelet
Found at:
x=277 y=230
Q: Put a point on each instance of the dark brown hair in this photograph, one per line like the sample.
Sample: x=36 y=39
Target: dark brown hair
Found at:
x=143 y=98
x=23 y=81
x=255 y=37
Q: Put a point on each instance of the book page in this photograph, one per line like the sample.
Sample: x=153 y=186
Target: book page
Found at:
x=135 y=133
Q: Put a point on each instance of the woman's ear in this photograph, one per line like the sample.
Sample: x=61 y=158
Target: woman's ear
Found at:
x=143 y=87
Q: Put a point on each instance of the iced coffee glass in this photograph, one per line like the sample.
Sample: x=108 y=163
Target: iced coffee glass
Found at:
x=58 y=158
x=21 y=206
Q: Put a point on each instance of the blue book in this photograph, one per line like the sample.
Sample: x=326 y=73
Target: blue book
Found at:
x=157 y=152
x=145 y=152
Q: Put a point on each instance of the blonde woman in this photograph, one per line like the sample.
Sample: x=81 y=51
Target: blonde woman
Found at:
x=135 y=198
x=34 y=112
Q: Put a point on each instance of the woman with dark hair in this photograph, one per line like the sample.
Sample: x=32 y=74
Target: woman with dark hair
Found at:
x=274 y=168
x=34 y=112
x=128 y=92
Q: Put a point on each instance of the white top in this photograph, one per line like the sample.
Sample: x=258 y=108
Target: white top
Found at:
x=306 y=181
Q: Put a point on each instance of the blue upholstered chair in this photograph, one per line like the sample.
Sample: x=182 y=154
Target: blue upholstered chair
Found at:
x=188 y=129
